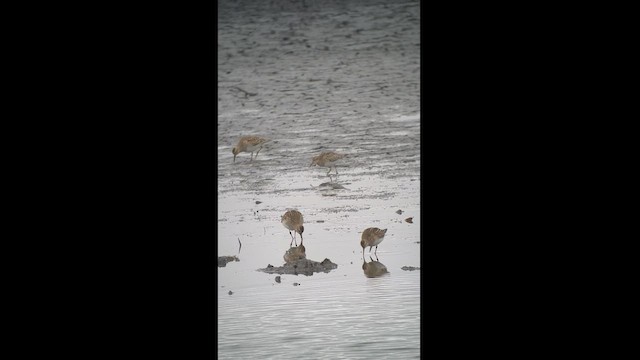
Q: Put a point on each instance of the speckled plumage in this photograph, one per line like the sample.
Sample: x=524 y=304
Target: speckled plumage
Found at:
x=372 y=237
x=327 y=159
x=248 y=144
x=293 y=220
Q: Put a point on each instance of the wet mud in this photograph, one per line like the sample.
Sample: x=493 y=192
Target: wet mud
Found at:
x=409 y=268
x=223 y=260
x=301 y=267
x=314 y=76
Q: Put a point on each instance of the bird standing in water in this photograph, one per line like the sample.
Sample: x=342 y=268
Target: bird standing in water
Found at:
x=327 y=159
x=372 y=237
x=292 y=220
x=248 y=144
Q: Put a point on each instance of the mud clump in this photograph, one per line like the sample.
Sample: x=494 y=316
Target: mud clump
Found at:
x=301 y=266
x=409 y=268
x=223 y=260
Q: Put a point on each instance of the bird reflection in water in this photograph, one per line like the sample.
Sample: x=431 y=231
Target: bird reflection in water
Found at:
x=374 y=268
x=294 y=254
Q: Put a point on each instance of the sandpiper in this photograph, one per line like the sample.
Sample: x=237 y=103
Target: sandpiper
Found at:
x=292 y=220
x=372 y=237
x=248 y=144
x=327 y=159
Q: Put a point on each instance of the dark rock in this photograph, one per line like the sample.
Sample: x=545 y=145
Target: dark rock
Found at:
x=278 y=279
x=399 y=212
x=230 y=292
x=409 y=220
x=301 y=266
x=295 y=284
x=409 y=268
x=223 y=260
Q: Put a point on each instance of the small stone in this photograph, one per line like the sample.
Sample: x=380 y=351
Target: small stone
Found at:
x=258 y=202
x=409 y=220
x=269 y=266
x=230 y=292
x=399 y=212
x=295 y=284
x=278 y=279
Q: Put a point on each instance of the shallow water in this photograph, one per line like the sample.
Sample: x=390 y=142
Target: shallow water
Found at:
x=360 y=97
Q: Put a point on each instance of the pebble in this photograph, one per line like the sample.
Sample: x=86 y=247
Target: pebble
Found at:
x=409 y=220
x=230 y=292
x=278 y=279
x=399 y=212
x=295 y=284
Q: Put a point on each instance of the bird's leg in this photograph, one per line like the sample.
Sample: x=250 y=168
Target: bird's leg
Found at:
x=258 y=152
x=251 y=157
x=336 y=170
x=329 y=171
x=376 y=252
x=301 y=239
x=370 y=247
